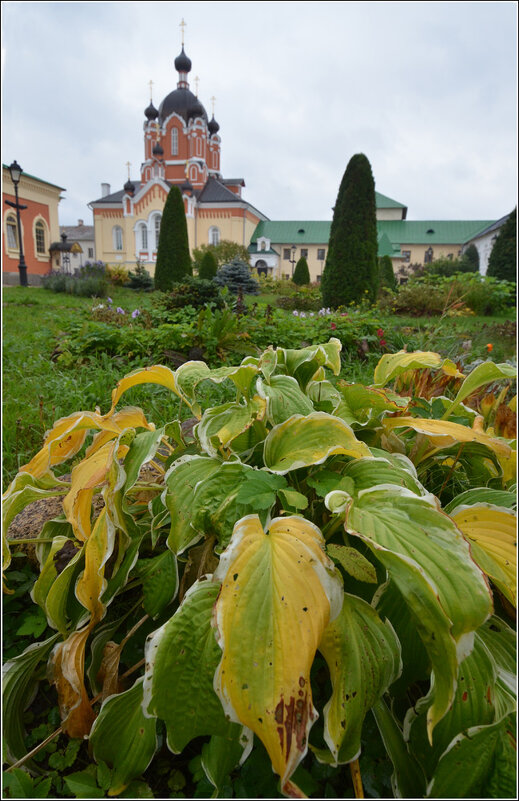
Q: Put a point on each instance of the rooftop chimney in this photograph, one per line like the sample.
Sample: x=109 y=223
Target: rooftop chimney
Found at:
x=105 y=190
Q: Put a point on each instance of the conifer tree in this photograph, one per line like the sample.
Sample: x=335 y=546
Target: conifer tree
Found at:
x=351 y=268
x=503 y=259
x=470 y=260
x=173 y=259
x=386 y=272
x=208 y=266
x=301 y=273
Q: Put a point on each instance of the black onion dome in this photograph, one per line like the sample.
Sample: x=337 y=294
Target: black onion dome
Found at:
x=213 y=126
x=184 y=103
x=151 y=112
x=129 y=186
x=157 y=149
x=182 y=62
x=187 y=186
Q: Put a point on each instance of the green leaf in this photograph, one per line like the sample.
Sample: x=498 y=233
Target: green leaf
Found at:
x=325 y=481
x=503 y=498
x=293 y=499
x=190 y=374
x=216 y=508
x=500 y=640
x=221 y=425
x=159 y=581
x=34 y=624
x=123 y=737
x=408 y=780
x=137 y=789
x=143 y=448
x=359 y=404
x=181 y=660
x=303 y=363
x=392 y=365
x=368 y=473
x=259 y=488
x=303 y=441
x=219 y=758
x=483 y=374
x=62 y=608
x=18 y=684
x=22 y=785
x=353 y=562
x=284 y=398
x=430 y=563
x=83 y=785
x=181 y=481
x=363 y=656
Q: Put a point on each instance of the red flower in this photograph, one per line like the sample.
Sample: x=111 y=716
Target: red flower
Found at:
x=380 y=332
x=490 y=347
x=333 y=326
x=382 y=341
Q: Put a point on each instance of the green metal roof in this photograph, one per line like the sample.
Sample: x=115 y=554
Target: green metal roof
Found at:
x=431 y=232
x=385 y=202
x=386 y=247
x=293 y=232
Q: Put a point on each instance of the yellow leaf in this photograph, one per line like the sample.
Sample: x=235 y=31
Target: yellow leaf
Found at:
x=97 y=550
x=279 y=591
x=158 y=374
x=393 y=364
x=67 y=666
x=493 y=529
x=86 y=477
x=131 y=417
x=444 y=434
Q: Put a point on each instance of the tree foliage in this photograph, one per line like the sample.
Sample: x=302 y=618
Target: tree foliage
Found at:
x=208 y=266
x=351 y=270
x=224 y=252
x=470 y=259
x=237 y=275
x=503 y=259
x=386 y=273
x=173 y=259
x=301 y=273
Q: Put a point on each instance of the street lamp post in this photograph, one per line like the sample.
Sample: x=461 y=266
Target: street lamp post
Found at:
x=16 y=172
x=293 y=259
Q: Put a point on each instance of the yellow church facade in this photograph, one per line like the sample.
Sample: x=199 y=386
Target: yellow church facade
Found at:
x=182 y=148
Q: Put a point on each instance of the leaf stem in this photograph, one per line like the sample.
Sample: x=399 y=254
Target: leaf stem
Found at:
x=356 y=779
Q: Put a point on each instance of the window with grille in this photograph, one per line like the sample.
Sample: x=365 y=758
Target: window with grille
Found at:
x=428 y=256
x=304 y=253
x=144 y=237
x=90 y=253
x=157 y=230
x=39 y=230
x=406 y=255
x=320 y=254
x=214 y=235
x=286 y=254
x=118 y=237
x=12 y=233
x=174 y=142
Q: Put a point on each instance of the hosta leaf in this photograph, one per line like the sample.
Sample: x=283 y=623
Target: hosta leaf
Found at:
x=158 y=374
x=500 y=640
x=503 y=498
x=303 y=441
x=86 y=477
x=430 y=563
x=472 y=762
x=66 y=668
x=483 y=374
x=159 y=581
x=181 y=481
x=275 y=585
x=190 y=374
x=141 y=451
x=220 y=756
x=216 y=507
x=493 y=530
x=62 y=608
x=392 y=365
x=97 y=551
x=305 y=362
x=181 y=659
x=360 y=404
x=128 y=418
x=123 y=737
x=268 y=362
x=363 y=656
x=324 y=396
x=353 y=562
x=444 y=434
x=367 y=473
x=259 y=488
x=48 y=574
x=220 y=425
x=408 y=780
x=18 y=683
x=284 y=398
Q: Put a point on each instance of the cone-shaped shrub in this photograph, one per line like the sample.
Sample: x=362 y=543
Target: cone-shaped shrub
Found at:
x=502 y=261
x=208 y=266
x=236 y=275
x=470 y=260
x=301 y=273
x=351 y=269
x=386 y=272
x=173 y=259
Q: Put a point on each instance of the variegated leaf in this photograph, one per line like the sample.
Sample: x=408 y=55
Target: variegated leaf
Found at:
x=483 y=374
x=392 y=365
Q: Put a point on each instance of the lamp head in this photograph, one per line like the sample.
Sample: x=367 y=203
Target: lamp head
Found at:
x=15 y=171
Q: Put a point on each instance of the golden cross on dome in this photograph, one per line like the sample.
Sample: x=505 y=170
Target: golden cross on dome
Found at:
x=197 y=81
x=212 y=103
x=128 y=164
x=182 y=25
x=151 y=95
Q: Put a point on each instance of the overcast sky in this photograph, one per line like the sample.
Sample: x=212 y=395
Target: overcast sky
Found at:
x=427 y=90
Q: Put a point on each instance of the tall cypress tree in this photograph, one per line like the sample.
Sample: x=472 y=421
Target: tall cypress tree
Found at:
x=503 y=259
x=173 y=259
x=351 y=269
x=301 y=273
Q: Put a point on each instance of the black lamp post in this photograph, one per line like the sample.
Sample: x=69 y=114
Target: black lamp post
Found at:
x=293 y=259
x=16 y=172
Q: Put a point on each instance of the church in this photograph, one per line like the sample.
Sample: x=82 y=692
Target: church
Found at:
x=182 y=147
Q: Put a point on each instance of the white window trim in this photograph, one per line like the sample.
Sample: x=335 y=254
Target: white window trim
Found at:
x=214 y=233
x=115 y=231
x=11 y=249
x=174 y=141
x=45 y=255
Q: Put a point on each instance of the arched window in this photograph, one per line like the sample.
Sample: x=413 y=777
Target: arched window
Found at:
x=214 y=235
x=198 y=146
x=12 y=232
x=193 y=173
x=144 y=237
x=39 y=236
x=174 y=142
x=117 y=233
x=156 y=228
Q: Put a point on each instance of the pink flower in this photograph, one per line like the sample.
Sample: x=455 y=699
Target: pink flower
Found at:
x=380 y=332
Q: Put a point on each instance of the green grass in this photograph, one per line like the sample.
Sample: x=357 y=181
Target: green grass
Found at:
x=38 y=390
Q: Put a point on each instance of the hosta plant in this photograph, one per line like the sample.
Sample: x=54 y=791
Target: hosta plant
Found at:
x=308 y=521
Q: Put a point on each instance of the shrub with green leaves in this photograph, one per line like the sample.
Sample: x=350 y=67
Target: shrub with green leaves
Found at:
x=208 y=266
x=195 y=292
x=200 y=571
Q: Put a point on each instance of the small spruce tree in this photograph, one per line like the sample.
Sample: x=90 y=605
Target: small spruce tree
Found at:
x=208 y=266
x=386 y=272
x=351 y=268
x=236 y=275
x=173 y=259
x=301 y=273
x=503 y=259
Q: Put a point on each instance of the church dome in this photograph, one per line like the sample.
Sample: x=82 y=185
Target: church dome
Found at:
x=184 y=103
x=129 y=187
x=213 y=126
x=151 y=112
x=157 y=150
x=182 y=62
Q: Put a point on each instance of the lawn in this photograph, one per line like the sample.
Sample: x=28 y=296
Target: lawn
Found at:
x=38 y=389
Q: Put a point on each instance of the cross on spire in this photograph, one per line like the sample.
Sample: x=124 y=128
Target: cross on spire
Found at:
x=128 y=164
x=212 y=103
x=182 y=26
x=151 y=89
x=197 y=81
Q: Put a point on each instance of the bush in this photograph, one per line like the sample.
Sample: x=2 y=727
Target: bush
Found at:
x=306 y=299
x=195 y=292
x=432 y=295
x=117 y=274
x=224 y=252
x=208 y=266
x=301 y=273
x=173 y=258
x=140 y=279
x=387 y=276
x=235 y=276
x=502 y=263
x=470 y=260
x=90 y=281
